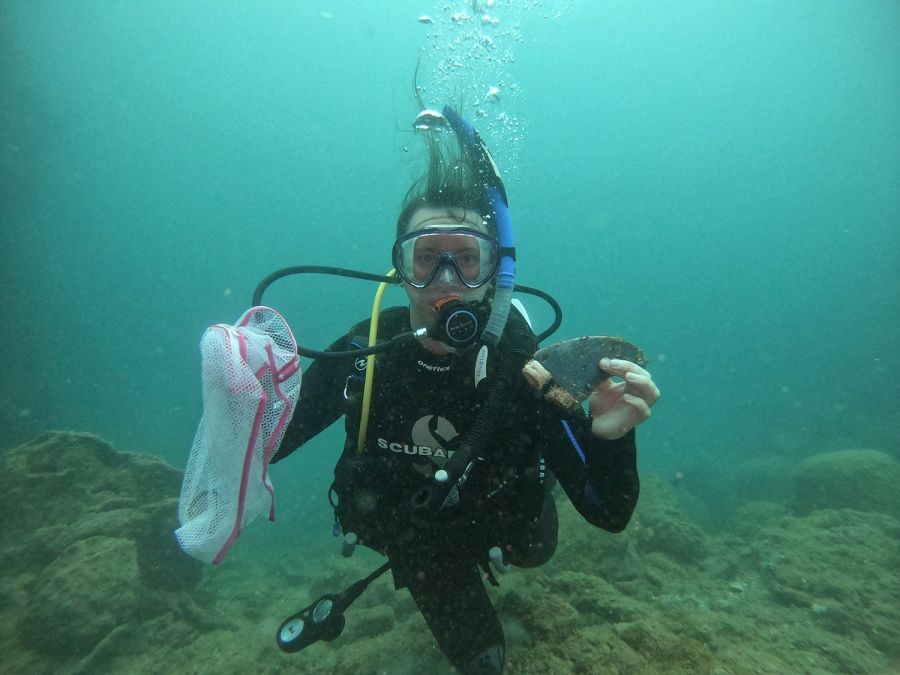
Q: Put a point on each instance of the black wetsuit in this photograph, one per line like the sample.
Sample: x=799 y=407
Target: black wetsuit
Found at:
x=422 y=406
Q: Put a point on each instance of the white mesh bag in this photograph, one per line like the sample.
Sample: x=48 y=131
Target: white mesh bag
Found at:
x=251 y=380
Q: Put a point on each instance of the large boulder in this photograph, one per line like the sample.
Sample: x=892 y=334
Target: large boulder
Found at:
x=67 y=613
x=87 y=543
x=840 y=567
x=863 y=480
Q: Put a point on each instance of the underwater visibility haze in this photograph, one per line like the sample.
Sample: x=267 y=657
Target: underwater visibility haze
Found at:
x=717 y=182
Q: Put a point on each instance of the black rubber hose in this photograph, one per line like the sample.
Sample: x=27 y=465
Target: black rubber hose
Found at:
x=366 y=276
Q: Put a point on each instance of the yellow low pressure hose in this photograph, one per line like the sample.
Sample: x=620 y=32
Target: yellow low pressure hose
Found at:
x=370 y=366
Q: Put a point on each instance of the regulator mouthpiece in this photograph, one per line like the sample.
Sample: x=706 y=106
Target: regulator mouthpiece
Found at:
x=459 y=323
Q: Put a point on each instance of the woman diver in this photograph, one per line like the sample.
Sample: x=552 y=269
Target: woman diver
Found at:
x=452 y=462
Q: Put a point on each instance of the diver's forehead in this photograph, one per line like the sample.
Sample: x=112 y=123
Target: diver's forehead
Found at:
x=428 y=216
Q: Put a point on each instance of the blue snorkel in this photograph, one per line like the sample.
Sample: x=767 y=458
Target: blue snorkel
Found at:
x=496 y=193
x=450 y=479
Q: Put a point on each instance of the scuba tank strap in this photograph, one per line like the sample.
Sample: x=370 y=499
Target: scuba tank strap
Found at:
x=513 y=356
x=515 y=349
x=391 y=322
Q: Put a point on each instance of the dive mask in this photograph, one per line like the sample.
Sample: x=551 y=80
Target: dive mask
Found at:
x=419 y=256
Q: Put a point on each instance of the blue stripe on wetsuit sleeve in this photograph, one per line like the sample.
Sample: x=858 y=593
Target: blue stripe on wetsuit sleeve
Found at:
x=590 y=494
x=574 y=441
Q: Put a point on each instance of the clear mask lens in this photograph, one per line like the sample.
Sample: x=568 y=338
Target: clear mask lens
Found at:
x=450 y=255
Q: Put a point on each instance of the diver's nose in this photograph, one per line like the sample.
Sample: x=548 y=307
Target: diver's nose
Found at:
x=446 y=275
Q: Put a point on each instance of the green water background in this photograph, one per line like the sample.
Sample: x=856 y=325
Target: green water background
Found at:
x=717 y=181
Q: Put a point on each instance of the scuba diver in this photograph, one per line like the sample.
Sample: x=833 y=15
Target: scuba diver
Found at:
x=451 y=457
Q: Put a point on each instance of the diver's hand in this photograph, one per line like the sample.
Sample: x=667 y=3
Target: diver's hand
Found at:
x=618 y=407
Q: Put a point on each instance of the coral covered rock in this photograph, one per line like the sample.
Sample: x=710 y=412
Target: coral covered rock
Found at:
x=82 y=596
x=87 y=545
x=863 y=480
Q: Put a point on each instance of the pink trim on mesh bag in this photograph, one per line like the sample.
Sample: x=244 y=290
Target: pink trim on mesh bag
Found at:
x=278 y=377
x=251 y=380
